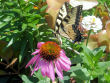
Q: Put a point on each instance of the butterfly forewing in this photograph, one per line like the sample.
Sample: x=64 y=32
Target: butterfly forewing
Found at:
x=68 y=24
x=61 y=15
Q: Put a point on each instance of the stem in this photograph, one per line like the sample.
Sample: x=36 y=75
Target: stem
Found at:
x=88 y=36
x=9 y=67
x=75 y=51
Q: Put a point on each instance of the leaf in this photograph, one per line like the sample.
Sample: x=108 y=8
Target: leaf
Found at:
x=47 y=80
x=98 y=53
x=32 y=25
x=43 y=8
x=76 y=59
x=101 y=48
x=4 y=51
x=66 y=79
x=39 y=75
x=10 y=43
x=88 y=56
x=24 y=26
x=28 y=79
x=30 y=38
x=23 y=45
x=87 y=51
x=80 y=73
x=102 y=67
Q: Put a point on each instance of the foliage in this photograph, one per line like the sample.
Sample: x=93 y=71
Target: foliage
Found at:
x=22 y=26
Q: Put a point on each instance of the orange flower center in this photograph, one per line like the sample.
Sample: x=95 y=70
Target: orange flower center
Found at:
x=50 y=50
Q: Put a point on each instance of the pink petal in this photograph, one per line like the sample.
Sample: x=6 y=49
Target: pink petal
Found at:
x=43 y=68
x=37 y=65
x=32 y=60
x=51 y=70
x=64 y=65
x=62 y=52
x=39 y=44
x=47 y=70
x=65 y=59
x=37 y=51
x=34 y=71
x=58 y=69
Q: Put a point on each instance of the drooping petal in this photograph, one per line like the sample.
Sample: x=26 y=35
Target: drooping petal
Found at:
x=37 y=51
x=62 y=52
x=64 y=65
x=43 y=68
x=39 y=44
x=37 y=64
x=51 y=70
x=47 y=69
x=32 y=60
x=65 y=59
x=34 y=71
x=58 y=69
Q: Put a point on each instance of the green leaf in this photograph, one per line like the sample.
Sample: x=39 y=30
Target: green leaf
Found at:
x=23 y=45
x=101 y=66
x=10 y=43
x=88 y=56
x=24 y=26
x=45 y=80
x=39 y=75
x=28 y=79
x=32 y=25
x=30 y=38
x=79 y=73
x=87 y=50
x=102 y=48
x=98 y=56
x=66 y=79
x=43 y=8
x=4 y=51
x=98 y=52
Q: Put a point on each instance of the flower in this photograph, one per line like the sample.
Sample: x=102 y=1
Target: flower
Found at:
x=49 y=56
x=87 y=4
x=91 y=22
x=100 y=39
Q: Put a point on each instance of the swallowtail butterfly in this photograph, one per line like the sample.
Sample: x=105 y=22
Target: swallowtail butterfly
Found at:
x=67 y=22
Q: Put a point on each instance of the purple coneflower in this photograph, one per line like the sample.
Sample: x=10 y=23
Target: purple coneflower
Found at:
x=49 y=57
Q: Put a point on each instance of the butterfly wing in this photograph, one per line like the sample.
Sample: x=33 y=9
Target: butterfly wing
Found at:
x=71 y=22
x=61 y=15
x=67 y=25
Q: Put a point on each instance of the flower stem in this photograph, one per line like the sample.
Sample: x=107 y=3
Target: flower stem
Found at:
x=88 y=36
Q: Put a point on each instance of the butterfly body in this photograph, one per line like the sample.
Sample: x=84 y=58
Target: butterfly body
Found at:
x=67 y=25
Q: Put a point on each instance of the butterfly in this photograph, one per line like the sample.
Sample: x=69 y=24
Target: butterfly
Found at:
x=67 y=22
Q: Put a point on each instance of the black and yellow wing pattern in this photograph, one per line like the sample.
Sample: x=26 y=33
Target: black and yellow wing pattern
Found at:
x=67 y=22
